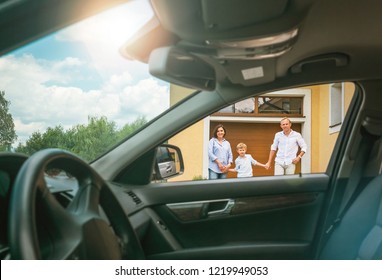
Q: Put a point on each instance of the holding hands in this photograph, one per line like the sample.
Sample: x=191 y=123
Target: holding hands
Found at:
x=223 y=168
x=267 y=165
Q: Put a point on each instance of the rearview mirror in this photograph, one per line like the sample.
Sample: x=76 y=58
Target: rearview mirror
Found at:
x=169 y=162
x=179 y=67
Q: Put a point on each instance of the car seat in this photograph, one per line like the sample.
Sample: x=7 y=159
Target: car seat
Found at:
x=359 y=234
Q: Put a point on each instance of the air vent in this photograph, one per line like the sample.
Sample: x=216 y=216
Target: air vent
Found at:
x=135 y=198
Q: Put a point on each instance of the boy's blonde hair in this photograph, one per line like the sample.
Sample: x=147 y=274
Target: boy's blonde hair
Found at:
x=241 y=146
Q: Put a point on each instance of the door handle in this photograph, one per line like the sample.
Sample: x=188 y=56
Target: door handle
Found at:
x=225 y=207
x=169 y=169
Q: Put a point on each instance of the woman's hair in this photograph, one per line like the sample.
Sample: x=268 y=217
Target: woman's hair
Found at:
x=216 y=130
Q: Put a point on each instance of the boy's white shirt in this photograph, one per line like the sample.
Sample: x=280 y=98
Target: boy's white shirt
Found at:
x=243 y=165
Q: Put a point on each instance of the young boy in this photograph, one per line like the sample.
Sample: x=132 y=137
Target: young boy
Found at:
x=243 y=163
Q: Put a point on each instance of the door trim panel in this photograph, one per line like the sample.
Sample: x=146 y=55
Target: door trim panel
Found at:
x=197 y=210
x=248 y=218
x=274 y=251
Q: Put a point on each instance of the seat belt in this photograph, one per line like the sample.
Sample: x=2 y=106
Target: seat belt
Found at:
x=353 y=188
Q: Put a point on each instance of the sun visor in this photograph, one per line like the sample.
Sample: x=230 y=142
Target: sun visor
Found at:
x=179 y=67
x=151 y=36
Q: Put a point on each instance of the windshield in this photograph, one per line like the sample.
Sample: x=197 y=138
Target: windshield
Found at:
x=74 y=90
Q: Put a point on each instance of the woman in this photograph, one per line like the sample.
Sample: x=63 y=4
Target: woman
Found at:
x=219 y=154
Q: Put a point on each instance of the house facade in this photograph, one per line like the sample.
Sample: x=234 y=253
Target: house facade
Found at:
x=316 y=112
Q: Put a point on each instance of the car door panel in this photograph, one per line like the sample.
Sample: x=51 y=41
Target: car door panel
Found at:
x=259 y=218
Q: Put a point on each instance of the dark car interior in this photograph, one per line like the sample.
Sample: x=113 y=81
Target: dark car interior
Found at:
x=227 y=51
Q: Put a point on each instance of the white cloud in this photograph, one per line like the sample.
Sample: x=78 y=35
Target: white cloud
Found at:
x=146 y=98
x=46 y=92
x=69 y=62
x=38 y=71
x=103 y=35
x=24 y=131
x=117 y=82
x=36 y=105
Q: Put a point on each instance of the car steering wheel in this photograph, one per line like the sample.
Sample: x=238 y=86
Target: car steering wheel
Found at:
x=10 y=164
x=41 y=228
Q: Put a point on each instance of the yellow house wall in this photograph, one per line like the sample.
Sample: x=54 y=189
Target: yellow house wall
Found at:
x=349 y=93
x=315 y=122
x=322 y=142
x=178 y=93
x=190 y=141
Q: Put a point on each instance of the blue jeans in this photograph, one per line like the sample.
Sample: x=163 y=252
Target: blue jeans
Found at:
x=213 y=175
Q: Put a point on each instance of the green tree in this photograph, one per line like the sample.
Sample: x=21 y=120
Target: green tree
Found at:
x=52 y=138
x=92 y=139
x=86 y=140
x=129 y=128
x=7 y=127
x=33 y=144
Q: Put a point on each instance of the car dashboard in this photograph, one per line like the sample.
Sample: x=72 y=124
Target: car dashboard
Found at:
x=63 y=187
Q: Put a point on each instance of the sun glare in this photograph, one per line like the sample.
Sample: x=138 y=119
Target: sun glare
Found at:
x=113 y=28
x=104 y=34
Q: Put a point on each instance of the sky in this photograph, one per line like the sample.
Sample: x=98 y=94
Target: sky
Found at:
x=78 y=72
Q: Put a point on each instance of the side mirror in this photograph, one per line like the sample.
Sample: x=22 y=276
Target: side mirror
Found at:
x=168 y=162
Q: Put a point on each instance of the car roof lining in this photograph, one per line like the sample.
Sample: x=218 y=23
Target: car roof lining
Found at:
x=197 y=21
x=189 y=27
x=301 y=13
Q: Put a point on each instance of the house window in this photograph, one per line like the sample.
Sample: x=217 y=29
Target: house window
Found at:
x=266 y=106
x=336 y=99
x=246 y=106
x=280 y=105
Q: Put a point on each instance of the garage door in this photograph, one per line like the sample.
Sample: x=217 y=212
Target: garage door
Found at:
x=258 y=137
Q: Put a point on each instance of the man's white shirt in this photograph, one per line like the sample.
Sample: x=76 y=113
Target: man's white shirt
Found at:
x=287 y=146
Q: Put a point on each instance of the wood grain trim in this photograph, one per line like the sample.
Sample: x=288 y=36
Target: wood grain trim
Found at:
x=192 y=211
x=263 y=203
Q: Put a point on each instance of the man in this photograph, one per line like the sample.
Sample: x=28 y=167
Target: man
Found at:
x=286 y=143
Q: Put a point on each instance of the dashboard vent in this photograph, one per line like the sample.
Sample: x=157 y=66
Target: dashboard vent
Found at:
x=135 y=198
